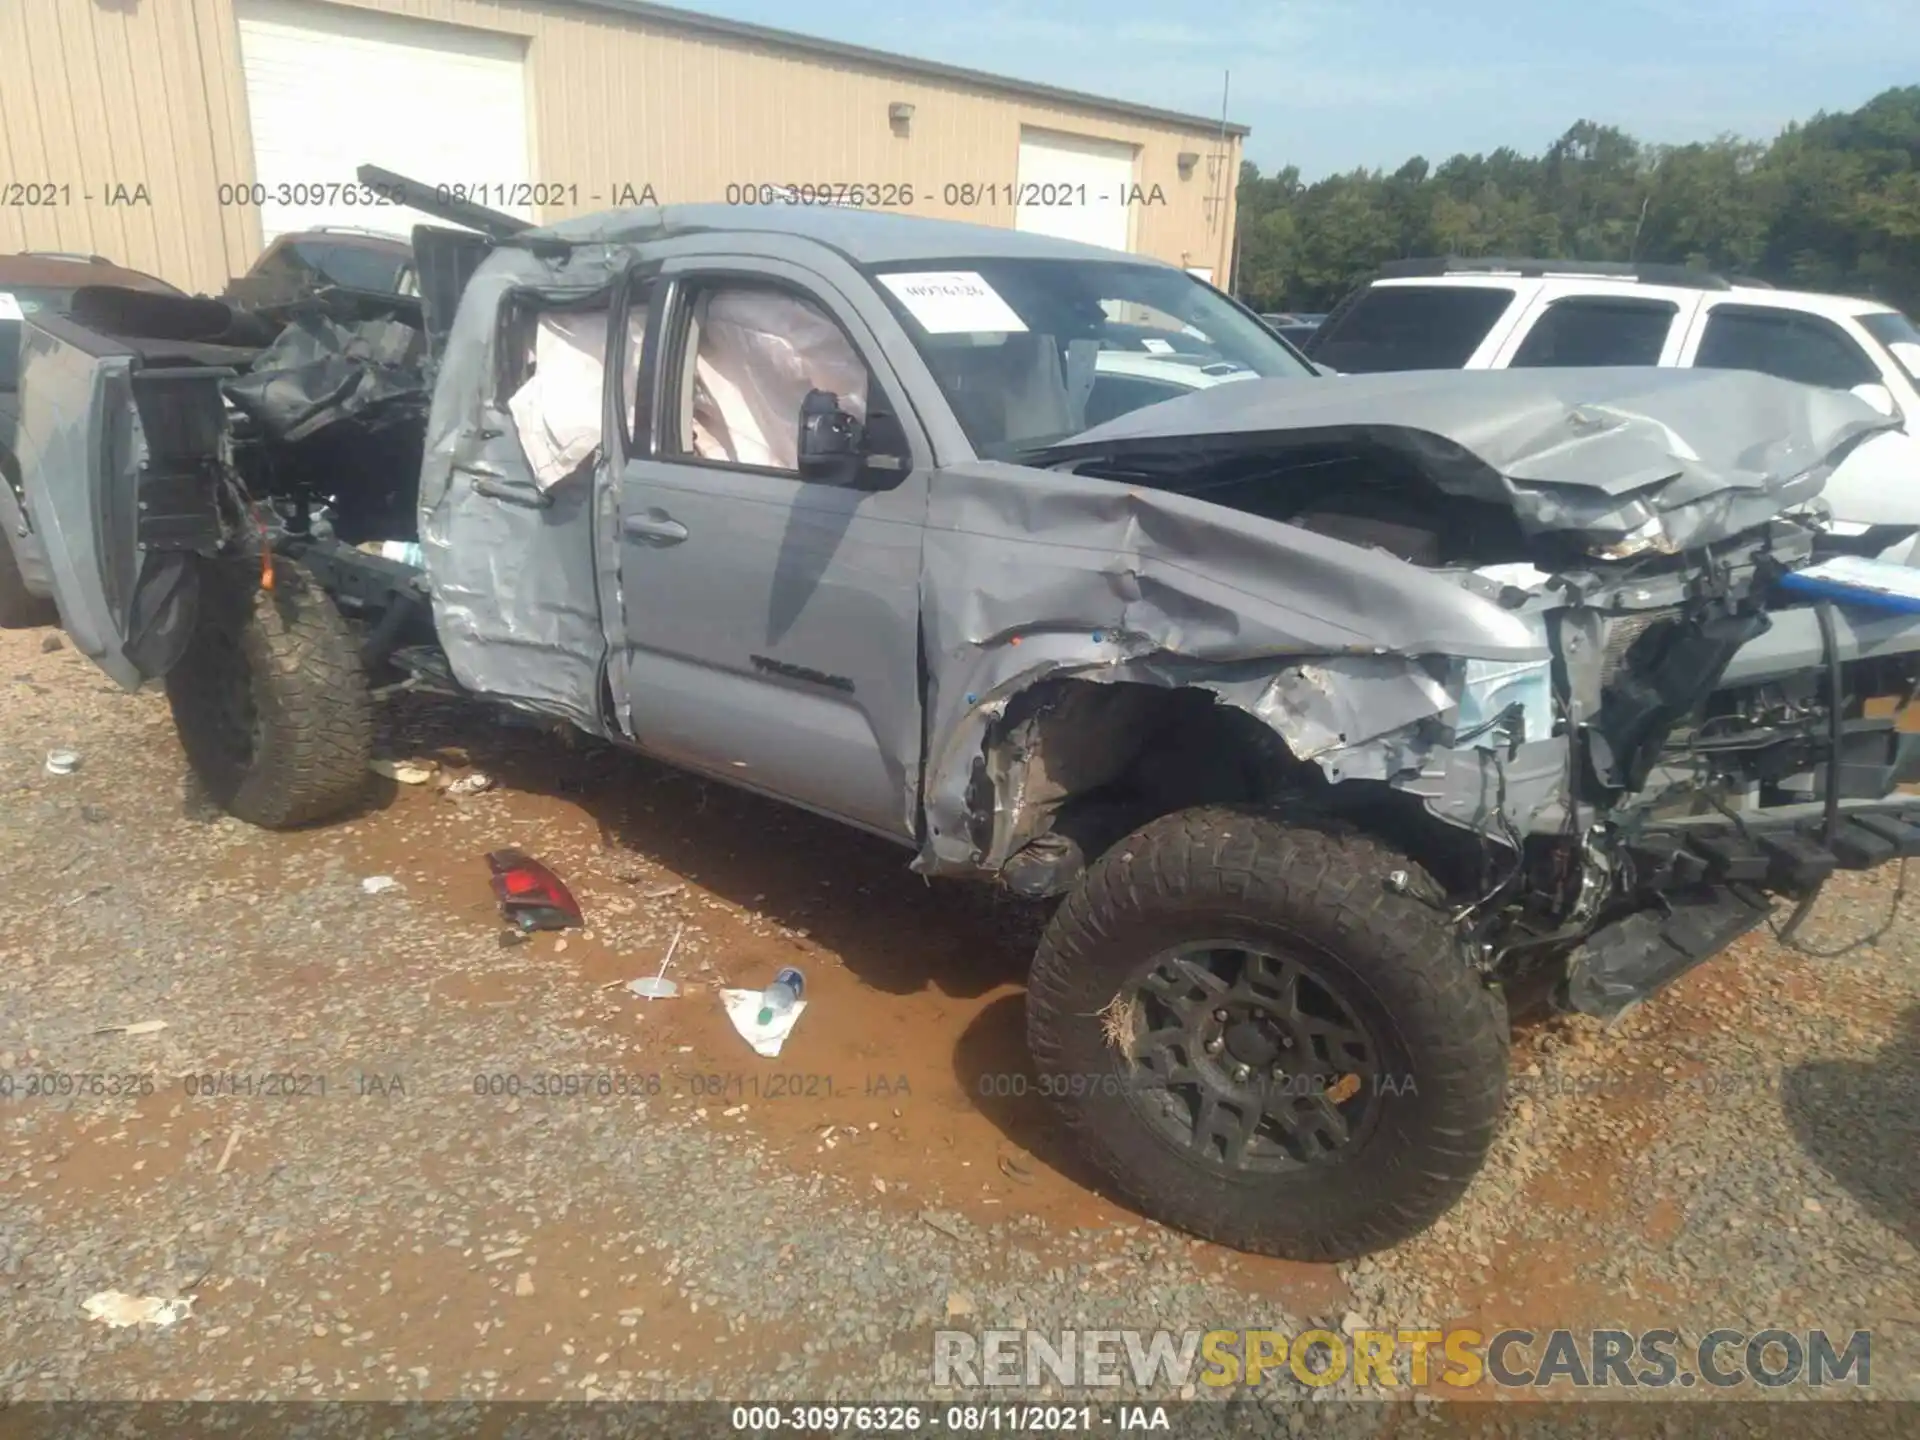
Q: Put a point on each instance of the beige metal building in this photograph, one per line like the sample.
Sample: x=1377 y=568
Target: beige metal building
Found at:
x=177 y=136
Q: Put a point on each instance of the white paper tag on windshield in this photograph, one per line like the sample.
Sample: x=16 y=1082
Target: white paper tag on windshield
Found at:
x=1156 y=347
x=10 y=307
x=953 y=302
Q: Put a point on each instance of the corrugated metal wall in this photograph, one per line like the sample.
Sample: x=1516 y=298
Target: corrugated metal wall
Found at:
x=118 y=94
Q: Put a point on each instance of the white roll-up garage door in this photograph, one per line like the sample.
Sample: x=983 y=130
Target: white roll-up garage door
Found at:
x=1080 y=187
x=331 y=88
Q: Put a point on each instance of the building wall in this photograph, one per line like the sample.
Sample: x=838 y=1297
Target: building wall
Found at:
x=126 y=93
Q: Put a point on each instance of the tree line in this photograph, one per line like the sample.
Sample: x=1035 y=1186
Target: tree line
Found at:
x=1831 y=204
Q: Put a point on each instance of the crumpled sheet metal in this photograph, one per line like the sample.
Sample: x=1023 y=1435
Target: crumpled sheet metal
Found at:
x=1705 y=454
x=516 y=600
x=1082 y=577
x=320 y=372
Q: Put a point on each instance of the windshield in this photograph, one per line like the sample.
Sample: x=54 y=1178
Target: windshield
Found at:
x=16 y=302
x=1900 y=337
x=1028 y=352
x=357 y=266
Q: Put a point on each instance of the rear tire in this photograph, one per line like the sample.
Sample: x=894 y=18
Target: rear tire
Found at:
x=1351 y=1092
x=270 y=699
x=19 y=606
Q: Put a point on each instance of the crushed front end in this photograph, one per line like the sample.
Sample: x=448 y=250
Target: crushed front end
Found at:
x=1728 y=738
x=1545 y=629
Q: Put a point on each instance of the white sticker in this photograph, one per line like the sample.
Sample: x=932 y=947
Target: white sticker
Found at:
x=1908 y=354
x=1156 y=347
x=954 y=302
x=10 y=307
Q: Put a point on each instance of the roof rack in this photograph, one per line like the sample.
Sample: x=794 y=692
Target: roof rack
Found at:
x=363 y=230
x=1680 y=275
x=68 y=255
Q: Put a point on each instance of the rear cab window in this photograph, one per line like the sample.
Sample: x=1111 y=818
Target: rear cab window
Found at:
x=1597 y=330
x=550 y=363
x=1410 y=327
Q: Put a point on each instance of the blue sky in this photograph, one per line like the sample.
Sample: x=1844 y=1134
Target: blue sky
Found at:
x=1332 y=84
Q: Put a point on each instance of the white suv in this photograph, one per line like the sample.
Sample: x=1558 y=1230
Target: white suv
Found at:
x=1495 y=314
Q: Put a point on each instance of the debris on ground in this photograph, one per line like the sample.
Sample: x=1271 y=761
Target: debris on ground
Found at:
x=658 y=987
x=531 y=895
x=944 y=1224
x=120 y=1310
x=404 y=772
x=478 y=783
x=782 y=995
x=50 y=643
x=379 y=884
x=62 y=762
x=744 y=1009
x=138 y=1027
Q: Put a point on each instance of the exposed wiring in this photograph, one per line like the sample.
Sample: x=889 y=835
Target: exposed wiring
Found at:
x=1803 y=908
x=1784 y=933
x=1513 y=837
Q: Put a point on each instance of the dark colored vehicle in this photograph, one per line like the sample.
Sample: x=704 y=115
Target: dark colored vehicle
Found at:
x=306 y=261
x=1296 y=329
x=30 y=283
x=1341 y=718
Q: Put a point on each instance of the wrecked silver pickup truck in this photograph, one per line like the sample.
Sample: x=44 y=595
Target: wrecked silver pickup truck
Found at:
x=1341 y=715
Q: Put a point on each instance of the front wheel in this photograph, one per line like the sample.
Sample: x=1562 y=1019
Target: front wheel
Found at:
x=1259 y=1040
x=270 y=699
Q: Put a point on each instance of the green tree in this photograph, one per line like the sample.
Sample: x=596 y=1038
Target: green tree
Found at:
x=1831 y=204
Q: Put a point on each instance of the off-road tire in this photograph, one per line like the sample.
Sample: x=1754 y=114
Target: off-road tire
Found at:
x=1315 y=889
x=270 y=698
x=19 y=606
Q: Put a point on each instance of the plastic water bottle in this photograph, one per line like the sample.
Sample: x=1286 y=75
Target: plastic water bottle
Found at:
x=779 y=997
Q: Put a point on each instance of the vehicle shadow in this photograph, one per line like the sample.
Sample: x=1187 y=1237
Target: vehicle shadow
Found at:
x=1860 y=1121
x=851 y=892
x=991 y=1063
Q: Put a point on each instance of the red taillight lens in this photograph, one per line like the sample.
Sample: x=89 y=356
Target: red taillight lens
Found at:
x=533 y=897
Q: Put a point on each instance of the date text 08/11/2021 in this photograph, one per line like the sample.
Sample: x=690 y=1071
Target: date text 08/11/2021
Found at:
x=607 y=195
x=952 y=1419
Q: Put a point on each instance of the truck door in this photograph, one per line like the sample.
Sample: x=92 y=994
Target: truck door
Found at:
x=769 y=610
x=118 y=443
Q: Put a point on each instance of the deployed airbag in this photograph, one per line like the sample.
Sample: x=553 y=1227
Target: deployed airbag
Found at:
x=557 y=412
x=760 y=353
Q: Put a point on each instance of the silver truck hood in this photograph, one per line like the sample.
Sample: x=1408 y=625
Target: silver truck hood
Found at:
x=1685 y=457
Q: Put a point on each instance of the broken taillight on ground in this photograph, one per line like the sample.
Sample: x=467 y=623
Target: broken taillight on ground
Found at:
x=531 y=895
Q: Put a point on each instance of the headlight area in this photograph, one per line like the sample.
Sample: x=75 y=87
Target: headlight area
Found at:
x=1650 y=538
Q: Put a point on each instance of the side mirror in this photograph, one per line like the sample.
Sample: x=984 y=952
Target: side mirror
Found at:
x=1878 y=396
x=829 y=438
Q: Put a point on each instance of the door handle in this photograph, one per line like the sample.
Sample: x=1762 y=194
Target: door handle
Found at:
x=656 y=527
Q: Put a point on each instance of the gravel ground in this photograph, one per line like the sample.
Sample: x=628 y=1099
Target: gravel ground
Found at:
x=1741 y=1153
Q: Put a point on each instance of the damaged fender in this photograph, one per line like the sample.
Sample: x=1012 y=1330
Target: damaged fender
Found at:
x=1330 y=645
